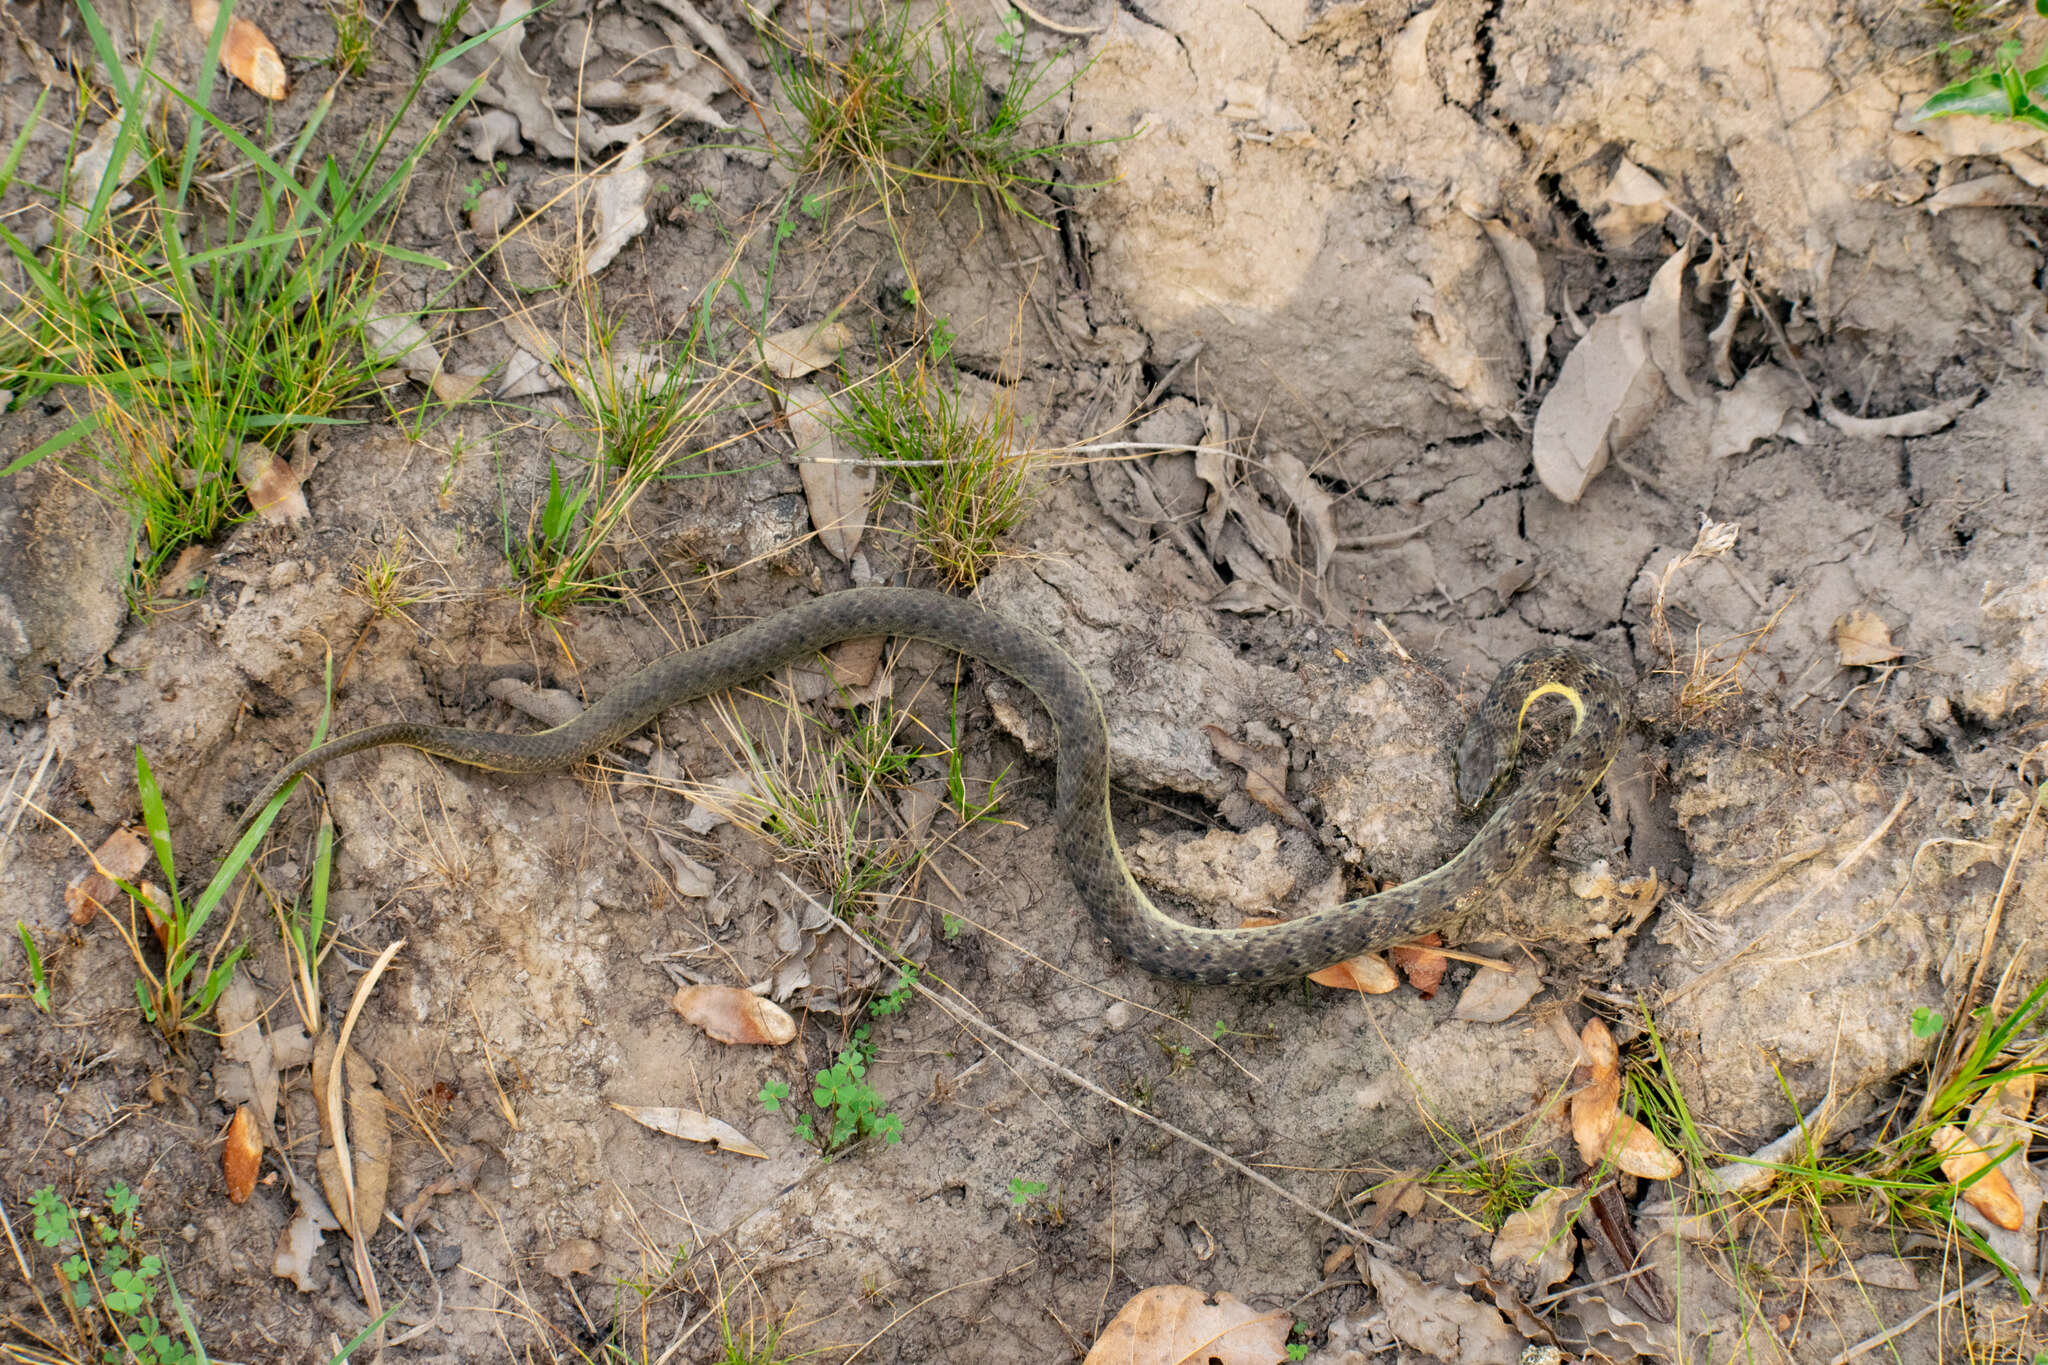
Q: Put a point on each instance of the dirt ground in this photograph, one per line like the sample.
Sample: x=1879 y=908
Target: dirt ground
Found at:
x=1278 y=334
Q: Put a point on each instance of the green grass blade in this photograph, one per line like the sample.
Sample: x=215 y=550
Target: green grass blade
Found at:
x=57 y=444
x=154 y=819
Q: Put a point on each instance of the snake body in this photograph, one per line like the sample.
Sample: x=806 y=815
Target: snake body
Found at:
x=1521 y=823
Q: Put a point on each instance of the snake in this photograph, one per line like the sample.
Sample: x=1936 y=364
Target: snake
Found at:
x=1521 y=822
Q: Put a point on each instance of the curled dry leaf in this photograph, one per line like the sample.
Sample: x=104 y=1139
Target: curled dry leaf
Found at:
x=1368 y=973
x=1177 y=1324
x=1921 y=422
x=1441 y=1323
x=1963 y=1156
x=1525 y=281
x=243 y=1041
x=689 y=877
x=731 y=1015
x=272 y=487
x=1606 y=392
x=692 y=1126
x=241 y=1157
x=1635 y=199
x=1664 y=324
x=1862 y=639
x=1423 y=968
x=246 y=53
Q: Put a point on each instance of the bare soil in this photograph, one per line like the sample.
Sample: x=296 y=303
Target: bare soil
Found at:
x=1274 y=245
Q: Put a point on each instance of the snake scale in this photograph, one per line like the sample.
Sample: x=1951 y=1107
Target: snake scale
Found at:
x=1520 y=824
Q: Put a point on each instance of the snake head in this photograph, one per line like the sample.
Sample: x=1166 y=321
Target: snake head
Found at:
x=1484 y=764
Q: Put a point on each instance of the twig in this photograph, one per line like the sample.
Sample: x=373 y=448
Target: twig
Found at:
x=1998 y=907
x=1871 y=1343
x=1076 y=1078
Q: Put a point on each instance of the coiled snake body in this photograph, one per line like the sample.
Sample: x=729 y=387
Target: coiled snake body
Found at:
x=1522 y=822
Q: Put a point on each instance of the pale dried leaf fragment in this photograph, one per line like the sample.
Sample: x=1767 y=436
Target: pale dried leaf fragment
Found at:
x=1999 y=190
x=1491 y=997
x=248 y=55
x=241 y=1156
x=1538 y=1239
x=1525 y=281
x=1442 y=1323
x=619 y=207
x=368 y=1134
x=1920 y=422
x=1177 y=1324
x=1964 y=1156
x=577 y=1256
x=689 y=877
x=1755 y=410
x=837 y=492
x=272 y=486
x=1606 y=392
x=1664 y=324
x=692 y=1126
x=243 y=1040
x=1635 y=199
x=1313 y=503
x=798 y=351
x=1863 y=639
x=1265 y=773
x=731 y=1015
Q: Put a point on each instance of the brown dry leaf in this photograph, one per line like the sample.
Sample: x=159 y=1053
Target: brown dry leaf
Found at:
x=1664 y=324
x=1177 y=1324
x=1962 y=1156
x=241 y=1158
x=247 y=54
x=369 y=1136
x=837 y=493
x=1606 y=391
x=799 y=351
x=1862 y=639
x=1423 y=968
x=272 y=487
x=1755 y=410
x=1265 y=773
x=1368 y=973
x=731 y=1015
x=156 y=908
x=1599 y=1127
x=688 y=876
x=577 y=1256
x=692 y=1126
x=121 y=855
x=299 y=1242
